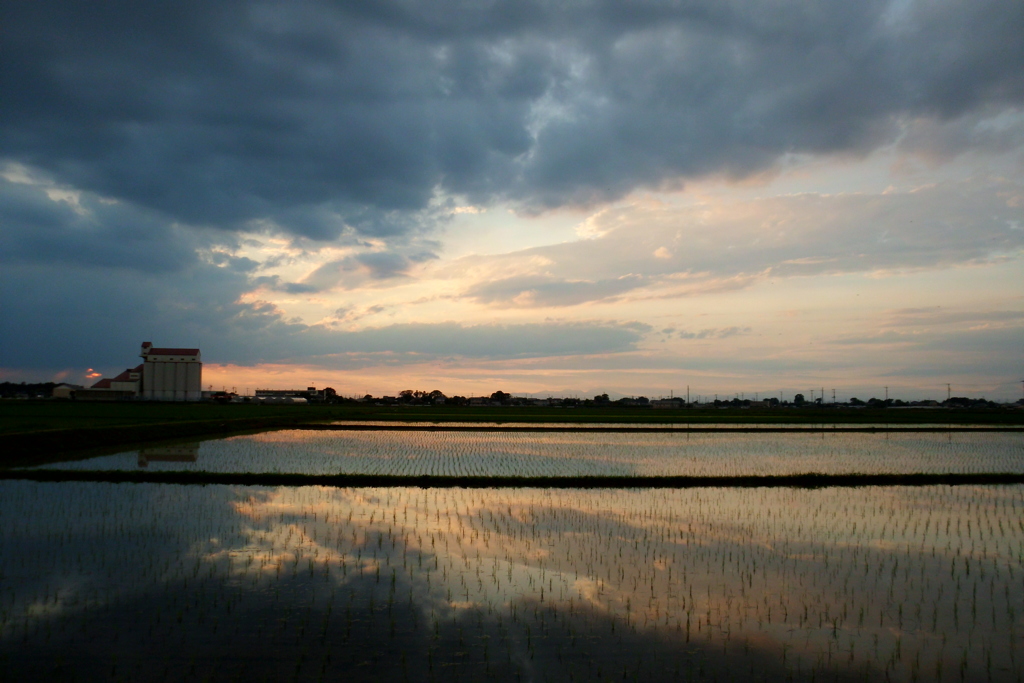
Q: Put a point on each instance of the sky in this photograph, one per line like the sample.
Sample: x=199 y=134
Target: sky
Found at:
x=548 y=198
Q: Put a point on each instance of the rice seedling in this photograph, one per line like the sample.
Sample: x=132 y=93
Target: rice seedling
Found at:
x=317 y=582
x=583 y=454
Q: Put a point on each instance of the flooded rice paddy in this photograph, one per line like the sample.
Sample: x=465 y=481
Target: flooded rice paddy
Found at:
x=167 y=582
x=527 y=454
x=159 y=582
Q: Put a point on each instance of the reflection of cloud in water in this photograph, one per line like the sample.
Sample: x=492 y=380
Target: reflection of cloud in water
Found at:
x=805 y=572
x=862 y=581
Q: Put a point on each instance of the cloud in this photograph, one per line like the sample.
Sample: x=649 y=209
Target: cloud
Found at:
x=147 y=147
x=715 y=333
x=723 y=244
x=937 y=316
x=325 y=117
x=492 y=341
x=100 y=325
x=539 y=290
x=42 y=222
x=365 y=269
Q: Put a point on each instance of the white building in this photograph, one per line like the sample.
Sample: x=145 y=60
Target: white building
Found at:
x=171 y=374
x=66 y=391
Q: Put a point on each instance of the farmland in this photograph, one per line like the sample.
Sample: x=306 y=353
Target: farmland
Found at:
x=308 y=583
x=641 y=554
x=35 y=430
x=568 y=454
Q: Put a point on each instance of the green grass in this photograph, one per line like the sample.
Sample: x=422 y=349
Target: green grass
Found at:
x=23 y=417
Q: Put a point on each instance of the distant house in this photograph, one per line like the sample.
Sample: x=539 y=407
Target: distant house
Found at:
x=290 y=395
x=667 y=403
x=66 y=391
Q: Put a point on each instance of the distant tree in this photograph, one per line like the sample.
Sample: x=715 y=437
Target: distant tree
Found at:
x=602 y=399
x=798 y=399
x=856 y=401
x=500 y=396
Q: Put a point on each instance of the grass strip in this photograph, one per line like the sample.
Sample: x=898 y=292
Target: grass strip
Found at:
x=26 y=449
x=808 y=480
x=682 y=429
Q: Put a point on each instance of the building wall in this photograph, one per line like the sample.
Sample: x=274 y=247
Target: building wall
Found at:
x=172 y=380
x=66 y=391
x=89 y=394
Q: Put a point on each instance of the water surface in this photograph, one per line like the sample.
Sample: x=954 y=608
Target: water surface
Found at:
x=580 y=454
x=166 y=582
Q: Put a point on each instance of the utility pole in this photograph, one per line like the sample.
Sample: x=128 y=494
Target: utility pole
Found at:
x=833 y=396
x=687 y=394
x=887 y=393
x=949 y=391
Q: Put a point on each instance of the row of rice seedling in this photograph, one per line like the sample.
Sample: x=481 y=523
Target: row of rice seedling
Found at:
x=904 y=583
x=581 y=454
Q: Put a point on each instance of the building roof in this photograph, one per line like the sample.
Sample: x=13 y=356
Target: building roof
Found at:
x=126 y=375
x=153 y=351
x=102 y=384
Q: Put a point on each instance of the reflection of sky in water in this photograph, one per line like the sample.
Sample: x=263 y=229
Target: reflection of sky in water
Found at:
x=923 y=582
x=574 y=453
x=678 y=426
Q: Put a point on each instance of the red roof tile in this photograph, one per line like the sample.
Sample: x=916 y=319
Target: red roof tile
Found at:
x=173 y=352
x=102 y=384
x=126 y=375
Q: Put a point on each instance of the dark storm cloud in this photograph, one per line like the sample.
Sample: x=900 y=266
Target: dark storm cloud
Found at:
x=43 y=224
x=322 y=115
